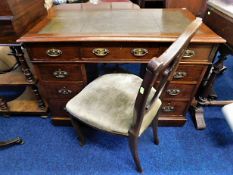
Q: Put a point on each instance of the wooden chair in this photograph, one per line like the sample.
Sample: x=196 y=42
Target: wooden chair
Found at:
x=125 y=104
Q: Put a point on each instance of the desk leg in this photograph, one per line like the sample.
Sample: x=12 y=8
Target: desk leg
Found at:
x=207 y=95
x=198 y=117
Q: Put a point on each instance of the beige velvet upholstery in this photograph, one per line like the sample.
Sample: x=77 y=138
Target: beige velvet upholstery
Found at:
x=107 y=103
x=48 y=4
x=6 y=61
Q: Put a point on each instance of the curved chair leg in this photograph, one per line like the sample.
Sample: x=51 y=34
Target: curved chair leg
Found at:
x=133 y=145
x=155 y=130
x=76 y=126
x=12 y=142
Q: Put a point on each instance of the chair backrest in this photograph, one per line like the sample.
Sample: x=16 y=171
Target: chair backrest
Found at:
x=165 y=65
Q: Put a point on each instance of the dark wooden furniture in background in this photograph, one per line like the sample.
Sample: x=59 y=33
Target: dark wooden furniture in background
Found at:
x=61 y=52
x=156 y=3
x=16 y=18
x=11 y=142
x=219 y=17
x=197 y=7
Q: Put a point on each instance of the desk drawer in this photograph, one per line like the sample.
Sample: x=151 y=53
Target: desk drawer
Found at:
x=173 y=108
x=53 y=52
x=197 y=52
x=62 y=90
x=56 y=107
x=61 y=72
x=119 y=51
x=194 y=52
x=179 y=91
x=191 y=73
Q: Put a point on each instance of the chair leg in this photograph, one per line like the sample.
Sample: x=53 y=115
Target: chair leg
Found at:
x=133 y=145
x=77 y=128
x=155 y=130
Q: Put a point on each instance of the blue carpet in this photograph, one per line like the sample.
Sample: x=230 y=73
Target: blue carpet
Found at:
x=182 y=150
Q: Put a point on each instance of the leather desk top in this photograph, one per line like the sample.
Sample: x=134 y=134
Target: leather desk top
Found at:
x=73 y=24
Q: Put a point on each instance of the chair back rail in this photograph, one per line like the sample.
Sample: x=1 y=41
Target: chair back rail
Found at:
x=166 y=64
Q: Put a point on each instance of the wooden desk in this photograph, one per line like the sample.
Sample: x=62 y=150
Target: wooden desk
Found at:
x=65 y=42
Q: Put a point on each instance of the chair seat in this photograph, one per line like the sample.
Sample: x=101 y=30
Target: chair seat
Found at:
x=6 y=61
x=228 y=114
x=107 y=103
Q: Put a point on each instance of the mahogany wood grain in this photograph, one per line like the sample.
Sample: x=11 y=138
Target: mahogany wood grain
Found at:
x=60 y=90
x=177 y=108
x=73 y=72
x=119 y=51
x=190 y=74
x=185 y=94
x=57 y=107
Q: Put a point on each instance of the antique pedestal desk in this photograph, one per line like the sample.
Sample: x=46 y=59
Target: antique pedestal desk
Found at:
x=64 y=43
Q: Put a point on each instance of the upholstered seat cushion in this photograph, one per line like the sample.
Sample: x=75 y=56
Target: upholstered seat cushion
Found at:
x=6 y=61
x=107 y=103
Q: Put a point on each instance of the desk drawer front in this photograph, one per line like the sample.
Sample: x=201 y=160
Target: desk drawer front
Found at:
x=53 y=52
x=179 y=91
x=119 y=51
x=194 y=53
x=173 y=108
x=187 y=72
x=61 y=90
x=56 y=107
x=197 y=53
x=61 y=72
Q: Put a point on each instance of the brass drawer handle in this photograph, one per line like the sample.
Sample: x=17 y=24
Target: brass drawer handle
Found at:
x=168 y=108
x=100 y=52
x=139 y=52
x=54 y=52
x=64 y=91
x=180 y=75
x=60 y=74
x=189 y=53
x=173 y=92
